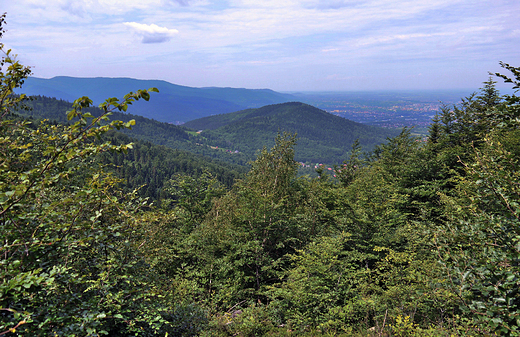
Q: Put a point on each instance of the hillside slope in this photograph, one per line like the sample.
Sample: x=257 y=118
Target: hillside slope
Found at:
x=159 y=133
x=173 y=104
x=322 y=137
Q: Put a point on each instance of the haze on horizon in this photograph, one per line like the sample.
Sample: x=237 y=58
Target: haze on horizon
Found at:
x=284 y=45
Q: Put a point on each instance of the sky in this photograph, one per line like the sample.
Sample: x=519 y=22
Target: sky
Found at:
x=284 y=45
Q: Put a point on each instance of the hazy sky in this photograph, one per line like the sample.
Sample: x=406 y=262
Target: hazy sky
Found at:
x=285 y=45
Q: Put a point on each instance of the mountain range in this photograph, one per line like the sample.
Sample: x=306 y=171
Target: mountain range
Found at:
x=173 y=104
x=236 y=137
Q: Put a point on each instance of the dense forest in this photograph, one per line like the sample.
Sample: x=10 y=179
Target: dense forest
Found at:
x=322 y=136
x=145 y=129
x=237 y=137
x=417 y=238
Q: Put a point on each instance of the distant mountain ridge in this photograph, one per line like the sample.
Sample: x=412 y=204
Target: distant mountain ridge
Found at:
x=174 y=103
x=322 y=137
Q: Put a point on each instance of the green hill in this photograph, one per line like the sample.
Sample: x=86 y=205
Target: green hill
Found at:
x=236 y=137
x=322 y=137
x=173 y=104
x=159 y=133
x=160 y=150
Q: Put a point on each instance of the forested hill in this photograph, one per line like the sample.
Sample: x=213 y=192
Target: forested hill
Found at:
x=173 y=103
x=149 y=166
x=159 y=133
x=236 y=137
x=322 y=137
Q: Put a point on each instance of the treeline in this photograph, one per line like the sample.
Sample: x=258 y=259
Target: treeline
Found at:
x=418 y=239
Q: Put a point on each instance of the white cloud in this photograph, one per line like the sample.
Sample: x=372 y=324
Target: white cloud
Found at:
x=398 y=37
x=68 y=11
x=328 y=50
x=152 y=33
x=331 y=4
x=180 y=2
x=77 y=8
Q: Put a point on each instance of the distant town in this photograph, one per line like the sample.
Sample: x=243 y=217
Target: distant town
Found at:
x=384 y=109
x=417 y=114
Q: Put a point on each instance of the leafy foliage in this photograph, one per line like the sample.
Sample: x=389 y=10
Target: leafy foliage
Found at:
x=480 y=242
x=68 y=264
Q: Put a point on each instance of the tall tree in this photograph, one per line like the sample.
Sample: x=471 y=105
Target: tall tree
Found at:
x=480 y=240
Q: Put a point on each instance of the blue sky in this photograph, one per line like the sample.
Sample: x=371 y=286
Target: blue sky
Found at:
x=284 y=45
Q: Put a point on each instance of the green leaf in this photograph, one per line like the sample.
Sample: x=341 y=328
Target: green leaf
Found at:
x=130 y=123
x=71 y=114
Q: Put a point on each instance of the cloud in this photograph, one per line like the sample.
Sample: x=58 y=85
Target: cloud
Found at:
x=152 y=33
x=331 y=4
x=75 y=8
x=180 y=2
x=365 y=41
x=192 y=3
x=337 y=77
